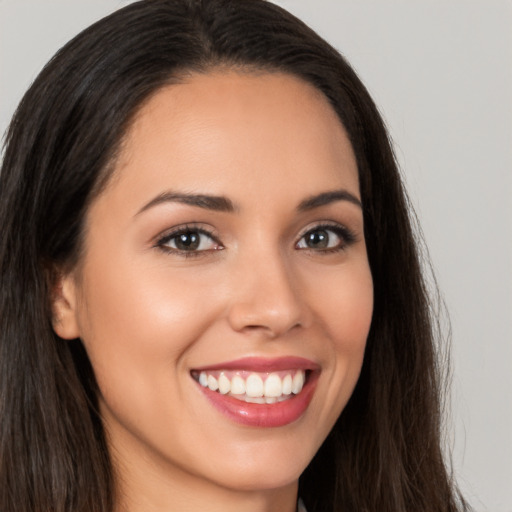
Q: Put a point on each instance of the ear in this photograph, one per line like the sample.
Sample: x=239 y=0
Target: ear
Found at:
x=64 y=307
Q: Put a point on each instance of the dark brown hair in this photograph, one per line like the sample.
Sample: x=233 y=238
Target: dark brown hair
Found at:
x=384 y=453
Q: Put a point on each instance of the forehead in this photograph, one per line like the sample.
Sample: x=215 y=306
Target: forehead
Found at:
x=231 y=132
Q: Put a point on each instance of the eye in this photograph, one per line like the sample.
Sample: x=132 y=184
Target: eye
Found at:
x=189 y=240
x=326 y=238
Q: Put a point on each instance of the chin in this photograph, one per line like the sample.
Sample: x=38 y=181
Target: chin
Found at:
x=270 y=465
x=266 y=477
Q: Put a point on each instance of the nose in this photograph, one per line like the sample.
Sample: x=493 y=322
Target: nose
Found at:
x=267 y=298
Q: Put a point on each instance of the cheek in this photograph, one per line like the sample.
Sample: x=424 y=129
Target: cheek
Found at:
x=138 y=325
x=351 y=320
x=136 y=317
x=351 y=326
x=346 y=306
x=345 y=310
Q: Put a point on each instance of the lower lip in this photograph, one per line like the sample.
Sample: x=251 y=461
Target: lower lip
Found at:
x=264 y=415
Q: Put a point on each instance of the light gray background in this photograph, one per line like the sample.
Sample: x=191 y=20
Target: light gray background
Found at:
x=441 y=72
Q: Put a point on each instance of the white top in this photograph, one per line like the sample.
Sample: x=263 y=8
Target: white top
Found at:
x=301 y=507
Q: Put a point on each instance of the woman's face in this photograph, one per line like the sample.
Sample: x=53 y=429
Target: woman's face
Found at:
x=227 y=251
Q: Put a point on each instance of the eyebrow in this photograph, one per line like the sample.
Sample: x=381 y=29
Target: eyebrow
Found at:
x=208 y=202
x=326 y=198
x=223 y=204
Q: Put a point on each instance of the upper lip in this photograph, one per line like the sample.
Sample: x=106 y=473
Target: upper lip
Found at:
x=264 y=364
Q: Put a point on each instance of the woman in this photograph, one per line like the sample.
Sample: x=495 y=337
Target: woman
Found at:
x=211 y=294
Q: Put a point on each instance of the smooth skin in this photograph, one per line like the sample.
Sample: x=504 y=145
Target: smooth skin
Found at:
x=256 y=274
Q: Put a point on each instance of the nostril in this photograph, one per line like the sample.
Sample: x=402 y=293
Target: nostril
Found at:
x=270 y=331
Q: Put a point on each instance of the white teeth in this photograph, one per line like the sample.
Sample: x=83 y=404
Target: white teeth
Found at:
x=287 y=385
x=254 y=399
x=224 y=384
x=212 y=383
x=237 y=385
x=297 y=383
x=254 y=386
x=273 y=386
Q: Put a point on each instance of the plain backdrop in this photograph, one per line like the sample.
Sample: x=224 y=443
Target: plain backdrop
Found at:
x=441 y=73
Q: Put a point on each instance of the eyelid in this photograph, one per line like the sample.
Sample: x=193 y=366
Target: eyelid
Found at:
x=326 y=224
x=167 y=235
x=346 y=234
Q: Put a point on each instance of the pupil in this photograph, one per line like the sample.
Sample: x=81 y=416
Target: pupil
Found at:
x=318 y=239
x=187 y=241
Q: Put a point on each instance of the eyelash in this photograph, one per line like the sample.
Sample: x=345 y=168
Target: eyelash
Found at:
x=162 y=242
x=346 y=236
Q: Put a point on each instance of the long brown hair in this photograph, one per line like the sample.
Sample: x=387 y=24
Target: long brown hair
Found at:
x=384 y=453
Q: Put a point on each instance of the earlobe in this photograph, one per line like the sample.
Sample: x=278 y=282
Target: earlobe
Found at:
x=64 y=308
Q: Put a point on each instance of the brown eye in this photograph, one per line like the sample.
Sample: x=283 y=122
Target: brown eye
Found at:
x=326 y=238
x=317 y=239
x=189 y=240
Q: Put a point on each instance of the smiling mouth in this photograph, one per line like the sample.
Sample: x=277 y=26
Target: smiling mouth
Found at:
x=254 y=387
x=260 y=392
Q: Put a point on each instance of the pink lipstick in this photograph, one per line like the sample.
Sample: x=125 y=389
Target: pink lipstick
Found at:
x=259 y=392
